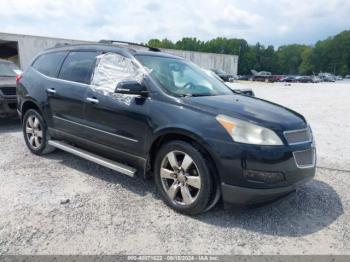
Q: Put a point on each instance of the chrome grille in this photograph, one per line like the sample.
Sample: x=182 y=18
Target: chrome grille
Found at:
x=298 y=136
x=305 y=158
x=8 y=91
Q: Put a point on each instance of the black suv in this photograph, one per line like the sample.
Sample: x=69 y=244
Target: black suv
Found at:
x=142 y=111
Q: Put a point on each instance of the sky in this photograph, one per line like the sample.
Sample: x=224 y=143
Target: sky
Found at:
x=266 y=21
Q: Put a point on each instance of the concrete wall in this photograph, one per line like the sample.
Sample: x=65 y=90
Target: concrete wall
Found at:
x=229 y=63
x=29 y=46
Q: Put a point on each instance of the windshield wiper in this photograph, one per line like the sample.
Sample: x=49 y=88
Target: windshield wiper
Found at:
x=185 y=95
x=194 y=95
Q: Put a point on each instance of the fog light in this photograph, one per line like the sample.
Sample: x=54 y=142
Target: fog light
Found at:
x=264 y=177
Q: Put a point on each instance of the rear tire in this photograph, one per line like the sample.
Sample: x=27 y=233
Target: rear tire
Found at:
x=183 y=178
x=35 y=133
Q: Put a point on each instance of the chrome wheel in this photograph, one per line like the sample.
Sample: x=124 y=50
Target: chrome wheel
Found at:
x=34 y=132
x=180 y=177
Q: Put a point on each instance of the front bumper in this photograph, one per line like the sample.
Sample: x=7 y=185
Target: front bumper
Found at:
x=246 y=196
x=8 y=106
x=252 y=174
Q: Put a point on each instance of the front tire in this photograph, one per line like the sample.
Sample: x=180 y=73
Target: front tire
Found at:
x=183 y=178
x=35 y=133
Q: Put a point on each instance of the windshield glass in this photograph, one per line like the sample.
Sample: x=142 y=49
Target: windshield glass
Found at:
x=7 y=69
x=182 y=78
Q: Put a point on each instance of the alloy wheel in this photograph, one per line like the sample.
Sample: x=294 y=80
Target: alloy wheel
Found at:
x=180 y=177
x=34 y=132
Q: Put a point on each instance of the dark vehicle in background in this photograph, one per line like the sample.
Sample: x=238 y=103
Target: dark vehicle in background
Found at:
x=347 y=77
x=244 y=77
x=303 y=79
x=223 y=75
x=238 y=88
x=288 y=79
x=148 y=113
x=262 y=76
x=8 y=74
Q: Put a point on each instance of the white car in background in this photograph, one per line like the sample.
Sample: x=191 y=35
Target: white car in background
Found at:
x=232 y=85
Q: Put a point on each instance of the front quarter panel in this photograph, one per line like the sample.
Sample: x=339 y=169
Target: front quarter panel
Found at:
x=175 y=118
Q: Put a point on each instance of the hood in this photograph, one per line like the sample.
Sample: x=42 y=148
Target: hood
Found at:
x=7 y=81
x=251 y=109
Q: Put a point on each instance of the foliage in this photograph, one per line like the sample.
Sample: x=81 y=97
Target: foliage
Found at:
x=330 y=55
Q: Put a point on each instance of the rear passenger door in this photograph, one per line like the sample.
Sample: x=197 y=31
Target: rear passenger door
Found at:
x=67 y=97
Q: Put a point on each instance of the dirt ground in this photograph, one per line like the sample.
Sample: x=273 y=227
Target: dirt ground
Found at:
x=61 y=204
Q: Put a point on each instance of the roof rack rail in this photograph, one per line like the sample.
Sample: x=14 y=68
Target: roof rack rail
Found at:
x=61 y=44
x=155 y=49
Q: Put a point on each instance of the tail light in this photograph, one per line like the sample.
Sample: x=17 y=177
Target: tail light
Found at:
x=18 y=78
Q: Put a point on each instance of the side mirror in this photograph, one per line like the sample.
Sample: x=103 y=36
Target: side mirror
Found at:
x=131 y=87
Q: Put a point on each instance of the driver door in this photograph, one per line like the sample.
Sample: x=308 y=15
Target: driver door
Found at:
x=116 y=121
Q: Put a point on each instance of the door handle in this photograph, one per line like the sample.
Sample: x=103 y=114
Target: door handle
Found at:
x=51 y=91
x=92 y=100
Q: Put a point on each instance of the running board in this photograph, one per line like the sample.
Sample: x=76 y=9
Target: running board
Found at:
x=126 y=170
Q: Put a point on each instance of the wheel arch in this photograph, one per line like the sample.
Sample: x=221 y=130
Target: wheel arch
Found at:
x=171 y=134
x=30 y=104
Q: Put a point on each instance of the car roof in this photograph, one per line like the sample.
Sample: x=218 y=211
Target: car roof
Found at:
x=125 y=50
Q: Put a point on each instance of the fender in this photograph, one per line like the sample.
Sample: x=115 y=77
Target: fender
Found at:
x=180 y=130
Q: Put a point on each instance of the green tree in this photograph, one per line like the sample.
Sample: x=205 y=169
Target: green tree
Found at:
x=329 y=55
x=306 y=67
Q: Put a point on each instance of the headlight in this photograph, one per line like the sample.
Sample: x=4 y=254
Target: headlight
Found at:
x=244 y=132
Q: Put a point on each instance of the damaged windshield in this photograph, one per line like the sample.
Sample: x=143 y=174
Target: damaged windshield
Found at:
x=182 y=78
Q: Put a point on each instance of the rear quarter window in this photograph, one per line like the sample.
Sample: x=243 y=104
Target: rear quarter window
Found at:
x=78 y=67
x=49 y=64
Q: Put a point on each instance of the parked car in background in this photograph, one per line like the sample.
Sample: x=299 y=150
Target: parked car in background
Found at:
x=277 y=78
x=303 y=79
x=262 y=76
x=338 y=78
x=223 y=75
x=149 y=113
x=244 y=77
x=8 y=99
x=316 y=79
x=288 y=79
x=241 y=89
x=327 y=77
x=347 y=77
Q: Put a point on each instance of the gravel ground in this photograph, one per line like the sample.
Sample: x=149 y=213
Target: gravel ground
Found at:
x=61 y=204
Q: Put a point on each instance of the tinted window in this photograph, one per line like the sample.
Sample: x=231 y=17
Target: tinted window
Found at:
x=49 y=64
x=78 y=67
